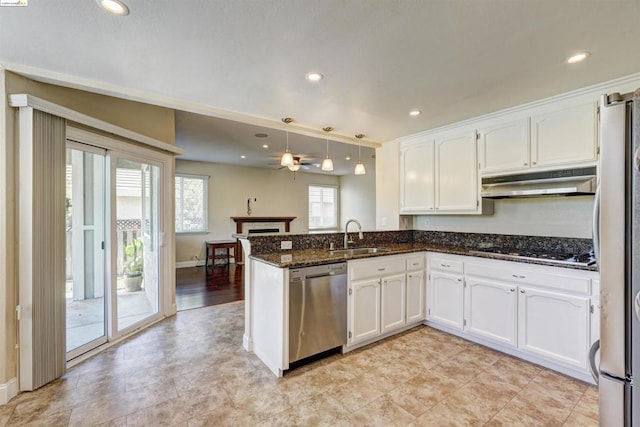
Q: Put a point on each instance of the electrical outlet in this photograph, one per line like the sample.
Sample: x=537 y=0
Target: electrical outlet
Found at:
x=384 y=221
x=286 y=244
x=286 y=258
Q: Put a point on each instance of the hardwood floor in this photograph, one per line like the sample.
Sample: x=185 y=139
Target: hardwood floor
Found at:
x=195 y=288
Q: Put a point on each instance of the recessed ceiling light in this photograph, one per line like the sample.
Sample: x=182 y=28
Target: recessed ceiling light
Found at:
x=578 y=57
x=261 y=135
x=314 y=76
x=414 y=113
x=243 y=157
x=114 y=6
x=347 y=158
x=265 y=146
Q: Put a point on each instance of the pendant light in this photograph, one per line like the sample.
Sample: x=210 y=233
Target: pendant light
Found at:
x=327 y=163
x=360 y=170
x=287 y=157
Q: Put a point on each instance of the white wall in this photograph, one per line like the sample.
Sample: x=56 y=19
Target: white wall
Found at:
x=229 y=188
x=548 y=216
x=388 y=186
x=358 y=199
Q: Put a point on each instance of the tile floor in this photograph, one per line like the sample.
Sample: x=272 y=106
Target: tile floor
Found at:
x=191 y=370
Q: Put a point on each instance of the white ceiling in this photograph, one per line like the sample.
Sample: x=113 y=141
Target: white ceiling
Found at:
x=245 y=60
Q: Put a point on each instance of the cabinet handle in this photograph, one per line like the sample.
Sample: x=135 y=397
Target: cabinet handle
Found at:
x=526 y=164
x=512 y=289
x=459 y=280
x=381 y=269
x=410 y=276
x=522 y=277
x=445 y=265
x=514 y=275
x=416 y=263
x=533 y=163
x=522 y=291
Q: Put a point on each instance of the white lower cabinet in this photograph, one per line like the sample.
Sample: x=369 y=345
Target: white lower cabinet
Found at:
x=383 y=296
x=491 y=310
x=393 y=302
x=445 y=296
x=554 y=325
x=546 y=314
x=364 y=307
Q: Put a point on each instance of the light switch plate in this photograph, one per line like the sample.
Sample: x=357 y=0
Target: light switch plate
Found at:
x=285 y=244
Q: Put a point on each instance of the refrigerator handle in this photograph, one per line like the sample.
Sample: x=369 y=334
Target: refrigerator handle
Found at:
x=596 y=226
x=592 y=361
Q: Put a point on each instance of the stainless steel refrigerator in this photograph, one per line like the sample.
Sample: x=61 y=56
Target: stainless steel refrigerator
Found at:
x=617 y=246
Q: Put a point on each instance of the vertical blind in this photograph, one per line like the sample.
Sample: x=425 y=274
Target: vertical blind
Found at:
x=42 y=217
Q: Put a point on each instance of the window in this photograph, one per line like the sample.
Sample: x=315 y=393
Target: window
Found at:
x=323 y=207
x=191 y=203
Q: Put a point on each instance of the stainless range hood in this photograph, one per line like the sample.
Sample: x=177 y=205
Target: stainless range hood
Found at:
x=565 y=182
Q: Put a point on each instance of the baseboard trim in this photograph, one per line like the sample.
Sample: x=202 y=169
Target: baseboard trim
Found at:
x=199 y=263
x=185 y=264
x=8 y=390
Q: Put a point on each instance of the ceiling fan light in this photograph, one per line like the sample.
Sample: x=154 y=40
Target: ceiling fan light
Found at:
x=287 y=158
x=294 y=168
x=360 y=170
x=327 y=164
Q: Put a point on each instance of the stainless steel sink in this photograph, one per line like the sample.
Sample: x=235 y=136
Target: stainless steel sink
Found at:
x=359 y=251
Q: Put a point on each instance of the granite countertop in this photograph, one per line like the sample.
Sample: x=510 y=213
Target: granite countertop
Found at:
x=310 y=257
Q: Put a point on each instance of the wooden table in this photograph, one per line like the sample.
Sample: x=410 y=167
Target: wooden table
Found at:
x=212 y=245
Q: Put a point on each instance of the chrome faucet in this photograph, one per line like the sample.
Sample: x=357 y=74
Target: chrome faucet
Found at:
x=346 y=234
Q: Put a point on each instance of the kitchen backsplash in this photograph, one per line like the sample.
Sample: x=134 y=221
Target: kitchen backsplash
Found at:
x=271 y=243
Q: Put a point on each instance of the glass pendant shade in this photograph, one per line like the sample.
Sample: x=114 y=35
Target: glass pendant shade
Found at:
x=287 y=158
x=327 y=164
x=360 y=170
x=294 y=168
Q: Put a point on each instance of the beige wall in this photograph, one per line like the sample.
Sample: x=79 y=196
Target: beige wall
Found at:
x=230 y=187
x=150 y=120
x=548 y=216
x=358 y=199
x=156 y=122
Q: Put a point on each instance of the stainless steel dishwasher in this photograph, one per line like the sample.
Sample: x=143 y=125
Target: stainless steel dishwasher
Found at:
x=317 y=309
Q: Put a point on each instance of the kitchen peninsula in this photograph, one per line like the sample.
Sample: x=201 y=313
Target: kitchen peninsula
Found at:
x=532 y=297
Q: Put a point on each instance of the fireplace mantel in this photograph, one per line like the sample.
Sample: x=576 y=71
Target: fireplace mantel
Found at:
x=239 y=220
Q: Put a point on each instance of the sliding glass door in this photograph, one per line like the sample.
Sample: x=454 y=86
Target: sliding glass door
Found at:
x=85 y=244
x=114 y=250
x=136 y=239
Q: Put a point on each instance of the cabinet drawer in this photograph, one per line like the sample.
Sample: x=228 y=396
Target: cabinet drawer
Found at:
x=445 y=264
x=376 y=267
x=415 y=263
x=517 y=274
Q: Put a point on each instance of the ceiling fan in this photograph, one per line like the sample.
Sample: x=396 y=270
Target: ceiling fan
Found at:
x=298 y=163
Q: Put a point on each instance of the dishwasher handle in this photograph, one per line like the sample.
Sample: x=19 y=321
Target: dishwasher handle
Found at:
x=314 y=276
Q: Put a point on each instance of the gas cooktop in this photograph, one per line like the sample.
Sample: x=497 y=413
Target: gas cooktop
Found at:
x=583 y=259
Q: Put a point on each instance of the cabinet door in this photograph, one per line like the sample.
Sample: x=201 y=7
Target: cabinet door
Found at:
x=565 y=136
x=456 y=174
x=445 y=299
x=415 y=296
x=504 y=147
x=491 y=310
x=416 y=178
x=393 y=302
x=364 y=310
x=554 y=325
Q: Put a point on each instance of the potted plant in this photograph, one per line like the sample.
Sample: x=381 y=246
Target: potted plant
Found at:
x=133 y=268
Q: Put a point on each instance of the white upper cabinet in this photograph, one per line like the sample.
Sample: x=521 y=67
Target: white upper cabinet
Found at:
x=440 y=176
x=456 y=174
x=504 y=147
x=565 y=136
x=417 y=172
